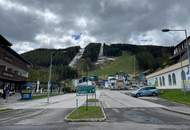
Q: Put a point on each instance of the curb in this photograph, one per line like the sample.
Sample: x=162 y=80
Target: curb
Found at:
x=86 y=120
x=170 y=109
x=5 y=110
x=180 y=112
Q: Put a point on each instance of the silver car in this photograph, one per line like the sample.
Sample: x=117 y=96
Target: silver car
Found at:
x=145 y=91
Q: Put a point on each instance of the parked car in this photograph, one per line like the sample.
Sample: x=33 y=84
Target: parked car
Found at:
x=135 y=87
x=145 y=91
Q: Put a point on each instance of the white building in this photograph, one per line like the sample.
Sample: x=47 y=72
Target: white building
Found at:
x=171 y=77
x=176 y=75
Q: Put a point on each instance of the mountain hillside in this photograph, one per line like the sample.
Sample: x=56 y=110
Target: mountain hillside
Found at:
x=125 y=63
x=126 y=56
x=148 y=56
x=41 y=57
x=92 y=51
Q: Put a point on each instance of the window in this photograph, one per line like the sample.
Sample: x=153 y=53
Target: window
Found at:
x=160 y=81
x=163 y=80
x=2 y=67
x=183 y=76
x=174 y=79
x=147 y=88
x=10 y=70
x=152 y=87
x=170 y=80
x=156 y=82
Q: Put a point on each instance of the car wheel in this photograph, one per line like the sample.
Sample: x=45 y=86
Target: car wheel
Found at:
x=154 y=94
x=138 y=95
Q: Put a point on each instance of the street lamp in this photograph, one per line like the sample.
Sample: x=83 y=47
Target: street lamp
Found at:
x=165 y=30
x=49 y=82
x=50 y=72
x=187 y=45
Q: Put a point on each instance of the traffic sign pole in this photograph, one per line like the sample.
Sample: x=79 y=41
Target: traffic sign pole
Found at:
x=95 y=98
x=87 y=101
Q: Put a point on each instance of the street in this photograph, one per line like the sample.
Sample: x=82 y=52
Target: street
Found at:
x=122 y=111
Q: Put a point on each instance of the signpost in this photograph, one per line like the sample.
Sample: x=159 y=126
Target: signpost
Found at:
x=86 y=90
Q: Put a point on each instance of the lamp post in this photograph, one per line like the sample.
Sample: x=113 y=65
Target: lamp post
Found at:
x=49 y=82
x=50 y=73
x=187 y=45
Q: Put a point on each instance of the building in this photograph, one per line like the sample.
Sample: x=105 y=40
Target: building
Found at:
x=175 y=76
x=13 y=68
x=180 y=51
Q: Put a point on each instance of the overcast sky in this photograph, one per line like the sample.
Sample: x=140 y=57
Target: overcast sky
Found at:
x=31 y=24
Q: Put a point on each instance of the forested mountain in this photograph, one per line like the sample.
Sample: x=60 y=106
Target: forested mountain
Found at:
x=148 y=56
x=92 y=51
x=41 y=57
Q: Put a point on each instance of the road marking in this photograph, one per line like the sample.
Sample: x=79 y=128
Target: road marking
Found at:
x=116 y=110
x=106 y=104
x=19 y=116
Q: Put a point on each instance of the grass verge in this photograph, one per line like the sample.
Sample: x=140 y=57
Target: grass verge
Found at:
x=81 y=113
x=4 y=109
x=44 y=96
x=41 y=96
x=176 y=95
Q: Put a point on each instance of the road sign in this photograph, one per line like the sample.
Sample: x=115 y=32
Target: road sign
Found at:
x=85 y=89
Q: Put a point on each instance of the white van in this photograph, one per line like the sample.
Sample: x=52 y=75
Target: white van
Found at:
x=111 y=81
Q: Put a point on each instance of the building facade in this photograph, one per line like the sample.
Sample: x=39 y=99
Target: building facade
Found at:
x=13 y=68
x=172 y=77
x=176 y=76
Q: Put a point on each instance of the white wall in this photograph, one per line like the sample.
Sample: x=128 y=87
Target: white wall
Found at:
x=179 y=83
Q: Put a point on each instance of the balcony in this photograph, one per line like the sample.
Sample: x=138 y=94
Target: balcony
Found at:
x=7 y=75
x=177 y=54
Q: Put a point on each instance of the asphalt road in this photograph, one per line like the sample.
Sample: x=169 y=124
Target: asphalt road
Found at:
x=123 y=113
x=61 y=101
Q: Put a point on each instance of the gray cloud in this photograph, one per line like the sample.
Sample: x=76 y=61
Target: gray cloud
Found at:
x=46 y=23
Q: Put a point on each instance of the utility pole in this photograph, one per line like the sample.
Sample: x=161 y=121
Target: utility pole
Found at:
x=49 y=82
x=134 y=66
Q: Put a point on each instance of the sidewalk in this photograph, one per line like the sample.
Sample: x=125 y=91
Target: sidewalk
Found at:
x=180 y=109
x=11 y=99
x=60 y=101
x=169 y=105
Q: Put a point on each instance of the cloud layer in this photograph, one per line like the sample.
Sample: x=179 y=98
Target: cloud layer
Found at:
x=31 y=24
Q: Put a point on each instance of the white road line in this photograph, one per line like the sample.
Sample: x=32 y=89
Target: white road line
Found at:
x=115 y=99
x=116 y=110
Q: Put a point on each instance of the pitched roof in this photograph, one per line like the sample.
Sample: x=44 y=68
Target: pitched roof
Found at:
x=7 y=46
x=188 y=38
x=4 y=41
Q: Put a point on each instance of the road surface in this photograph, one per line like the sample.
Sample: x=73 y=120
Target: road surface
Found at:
x=123 y=113
x=62 y=101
